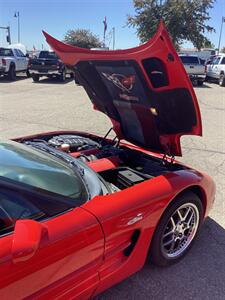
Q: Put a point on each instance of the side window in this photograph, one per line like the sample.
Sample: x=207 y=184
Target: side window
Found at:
x=14 y=206
x=216 y=60
x=21 y=53
x=156 y=72
x=17 y=53
x=223 y=61
x=25 y=202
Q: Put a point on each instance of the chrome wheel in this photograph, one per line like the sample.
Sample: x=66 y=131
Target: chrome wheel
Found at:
x=180 y=230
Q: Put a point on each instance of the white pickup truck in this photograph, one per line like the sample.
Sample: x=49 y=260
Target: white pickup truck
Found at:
x=12 y=61
x=216 y=69
x=194 y=68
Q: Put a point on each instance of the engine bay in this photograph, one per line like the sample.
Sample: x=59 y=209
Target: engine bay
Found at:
x=119 y=166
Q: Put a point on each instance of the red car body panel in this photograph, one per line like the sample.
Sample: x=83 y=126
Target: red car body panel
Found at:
x=71 y=250
x=160 y=48
x=106 y=227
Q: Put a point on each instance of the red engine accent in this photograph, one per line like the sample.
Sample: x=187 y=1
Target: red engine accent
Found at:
x=85 y=152
x=103 y=164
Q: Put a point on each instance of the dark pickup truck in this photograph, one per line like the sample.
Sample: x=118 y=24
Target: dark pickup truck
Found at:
x=48 y=64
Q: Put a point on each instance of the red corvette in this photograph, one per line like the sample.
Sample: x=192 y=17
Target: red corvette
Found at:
x=79 y=212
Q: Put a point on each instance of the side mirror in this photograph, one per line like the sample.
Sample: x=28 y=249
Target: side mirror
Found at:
x=26 y=239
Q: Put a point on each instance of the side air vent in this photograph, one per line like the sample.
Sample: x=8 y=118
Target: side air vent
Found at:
x=134 y=239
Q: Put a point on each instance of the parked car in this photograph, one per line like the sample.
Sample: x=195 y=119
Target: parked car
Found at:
x=216 y=69
x=194 y=67
x=80 y=212
x=12 y=61
x=49 y=65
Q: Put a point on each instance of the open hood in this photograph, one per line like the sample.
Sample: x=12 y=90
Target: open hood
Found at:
x=145 y=91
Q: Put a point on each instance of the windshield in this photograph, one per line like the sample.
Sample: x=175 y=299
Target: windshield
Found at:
x=189 y=59
x=29 y=166
x=6 y=52
x=48 y=54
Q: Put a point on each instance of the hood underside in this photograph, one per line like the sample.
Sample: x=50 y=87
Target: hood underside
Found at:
x=145 y=91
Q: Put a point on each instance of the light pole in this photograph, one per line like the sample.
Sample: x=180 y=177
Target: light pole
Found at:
x=8 y=37
x=223 y=20
x=114 y=37
x=17 y=15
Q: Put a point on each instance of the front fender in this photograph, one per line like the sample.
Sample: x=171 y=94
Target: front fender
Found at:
x=139 y=208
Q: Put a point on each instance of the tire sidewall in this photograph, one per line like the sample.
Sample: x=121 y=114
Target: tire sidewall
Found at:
x=222 y=80
x=12 y=73
x=35 y=78
x=63 y=75
x=155 y=254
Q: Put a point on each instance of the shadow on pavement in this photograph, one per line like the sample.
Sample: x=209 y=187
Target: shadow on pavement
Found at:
x=4 y=79
x=45 y=80
x=204 y=86
x=200 y=275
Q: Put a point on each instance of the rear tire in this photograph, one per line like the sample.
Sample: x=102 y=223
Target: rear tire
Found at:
x=28 y=74
x=173 y=237
x=12 y=73
x=222 y=80
x=36 y=78
x=62 y=76
x=76 y=81
x=199 y=82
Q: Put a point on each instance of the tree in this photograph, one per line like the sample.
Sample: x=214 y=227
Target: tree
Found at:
x=209 y=44
x=184 y=19
x=82 y=38
x=222 y=50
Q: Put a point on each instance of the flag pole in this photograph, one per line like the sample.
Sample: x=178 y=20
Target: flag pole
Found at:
x=223 y=20
x=105 y=28
x=113 y=38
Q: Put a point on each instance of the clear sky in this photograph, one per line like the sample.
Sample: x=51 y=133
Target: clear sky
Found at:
x=57 y=16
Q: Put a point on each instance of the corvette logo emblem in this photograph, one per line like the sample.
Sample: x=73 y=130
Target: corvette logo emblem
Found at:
x=134 y=220
x=124 y=83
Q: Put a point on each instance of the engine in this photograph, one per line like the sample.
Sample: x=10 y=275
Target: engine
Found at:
x=120 y=167
x=71 y=143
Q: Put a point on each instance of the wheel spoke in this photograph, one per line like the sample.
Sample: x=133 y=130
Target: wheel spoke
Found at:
x=190 y=218
x=173 y=223
x=168 y=233
x=172 y=246
x=186 y=214
x=179 y=215
x=169 y=242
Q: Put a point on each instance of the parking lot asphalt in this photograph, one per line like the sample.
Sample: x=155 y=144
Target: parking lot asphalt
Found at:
x=27 y=108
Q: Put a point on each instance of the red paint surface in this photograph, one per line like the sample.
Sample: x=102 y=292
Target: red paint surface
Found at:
x=82 y=251
x=160 y=46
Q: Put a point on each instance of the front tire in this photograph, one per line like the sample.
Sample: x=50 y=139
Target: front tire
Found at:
x=176 y=230
x=36 y=78
x=12 y=73
x=200 y=82
x=222 y=80
x=28 y=74
x=62 y=76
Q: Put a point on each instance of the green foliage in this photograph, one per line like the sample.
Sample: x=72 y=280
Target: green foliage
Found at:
x=184 y=19
x=222 y=50
x=209 y=44
x=82 y=38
